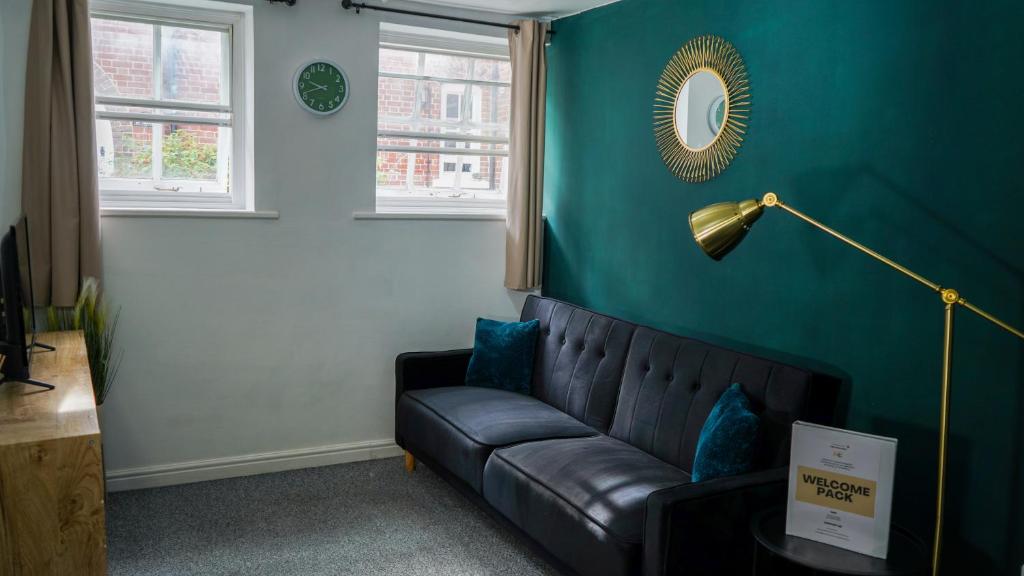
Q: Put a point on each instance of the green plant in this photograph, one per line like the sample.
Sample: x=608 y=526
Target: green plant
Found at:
x=92 y=316
x=184 y=156
x=135 y=158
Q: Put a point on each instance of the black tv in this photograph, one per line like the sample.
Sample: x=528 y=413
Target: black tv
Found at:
x=17 y=337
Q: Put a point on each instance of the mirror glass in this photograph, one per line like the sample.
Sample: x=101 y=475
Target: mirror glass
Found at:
x=700 y=110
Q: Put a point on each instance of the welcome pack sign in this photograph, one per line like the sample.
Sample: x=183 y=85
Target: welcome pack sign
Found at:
x=840 y=488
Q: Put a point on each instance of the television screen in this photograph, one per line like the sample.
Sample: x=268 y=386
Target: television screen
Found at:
x=17 y=340
x=18 y=336
x=25 y=276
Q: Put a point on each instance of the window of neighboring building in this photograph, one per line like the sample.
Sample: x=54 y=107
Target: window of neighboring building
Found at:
x=172 y=123
x=443 y=102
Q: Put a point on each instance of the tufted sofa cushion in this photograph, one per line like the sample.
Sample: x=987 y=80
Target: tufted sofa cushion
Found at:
x=671 y=384
x=579 y=360
x=459 y=426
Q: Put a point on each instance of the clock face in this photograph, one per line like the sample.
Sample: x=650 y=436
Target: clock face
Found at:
x=321 y=87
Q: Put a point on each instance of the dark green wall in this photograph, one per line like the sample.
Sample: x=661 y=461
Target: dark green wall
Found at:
x=896 y=121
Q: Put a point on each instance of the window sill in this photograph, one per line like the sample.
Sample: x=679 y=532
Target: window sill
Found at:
x=189 y=213
x=371 y=215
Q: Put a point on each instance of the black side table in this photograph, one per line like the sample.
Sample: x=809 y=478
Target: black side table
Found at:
x=778 y=553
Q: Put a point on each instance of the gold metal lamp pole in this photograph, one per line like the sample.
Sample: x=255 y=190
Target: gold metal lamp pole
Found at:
x=719 y=228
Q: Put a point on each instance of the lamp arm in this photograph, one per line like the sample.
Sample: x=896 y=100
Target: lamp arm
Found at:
x=771 y=199
x=949 y=295
x=991 y=318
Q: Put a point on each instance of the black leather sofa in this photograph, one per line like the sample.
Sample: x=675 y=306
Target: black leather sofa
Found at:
x=594 y=466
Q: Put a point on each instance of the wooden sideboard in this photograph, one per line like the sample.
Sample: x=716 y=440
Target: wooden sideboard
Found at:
x=51 y=468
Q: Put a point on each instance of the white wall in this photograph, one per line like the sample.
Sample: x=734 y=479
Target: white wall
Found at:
x=692 y=108
x=244 y=337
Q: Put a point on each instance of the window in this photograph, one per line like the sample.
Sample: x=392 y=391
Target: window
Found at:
x=453 y=105
x=443 y=102
x=173 y=128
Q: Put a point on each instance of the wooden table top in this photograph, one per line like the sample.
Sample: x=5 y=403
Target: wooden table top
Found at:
x=32 y=414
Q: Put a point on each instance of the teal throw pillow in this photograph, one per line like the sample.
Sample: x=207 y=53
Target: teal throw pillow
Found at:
x=503 y=355
x=728 y=441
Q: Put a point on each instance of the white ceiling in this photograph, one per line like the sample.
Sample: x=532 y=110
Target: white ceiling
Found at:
x=534 y=8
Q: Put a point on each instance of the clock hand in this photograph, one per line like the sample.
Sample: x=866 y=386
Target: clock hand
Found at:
x=317 y=85
x=314 y=89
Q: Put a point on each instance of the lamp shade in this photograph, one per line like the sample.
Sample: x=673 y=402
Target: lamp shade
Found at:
x=719 y=228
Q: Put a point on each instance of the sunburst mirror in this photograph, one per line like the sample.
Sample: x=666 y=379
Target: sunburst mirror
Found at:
x=702 y=108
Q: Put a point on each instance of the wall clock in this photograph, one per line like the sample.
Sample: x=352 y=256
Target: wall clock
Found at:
x=320 y=86
x=716 y=114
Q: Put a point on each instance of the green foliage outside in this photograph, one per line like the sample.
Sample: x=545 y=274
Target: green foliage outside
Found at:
x=184 y=156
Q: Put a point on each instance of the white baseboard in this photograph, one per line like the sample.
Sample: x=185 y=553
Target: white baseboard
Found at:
x=247 y=465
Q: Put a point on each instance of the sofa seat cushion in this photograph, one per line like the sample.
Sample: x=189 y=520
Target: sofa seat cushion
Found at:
x=459 y=426
x=583 y=499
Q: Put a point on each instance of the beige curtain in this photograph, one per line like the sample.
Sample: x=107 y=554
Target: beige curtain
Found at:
x=523 y=226
x=59 y=190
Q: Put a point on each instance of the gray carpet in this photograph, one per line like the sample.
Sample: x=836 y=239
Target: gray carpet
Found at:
x=366 y=518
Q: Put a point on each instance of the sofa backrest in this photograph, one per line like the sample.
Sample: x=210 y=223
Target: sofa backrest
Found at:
x=579 y=360
x=670 y=384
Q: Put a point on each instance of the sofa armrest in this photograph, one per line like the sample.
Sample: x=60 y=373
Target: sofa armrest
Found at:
x=703 y=528
x=420 y=370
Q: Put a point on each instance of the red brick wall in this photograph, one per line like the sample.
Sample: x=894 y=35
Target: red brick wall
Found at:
x=397 y=98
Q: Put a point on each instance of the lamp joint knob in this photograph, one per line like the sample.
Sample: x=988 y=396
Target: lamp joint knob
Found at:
x=950 y=296
x=770 y=199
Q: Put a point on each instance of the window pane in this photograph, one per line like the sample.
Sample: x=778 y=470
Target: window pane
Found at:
x=122 y=55
x=196 y=152
x=485 y=173
x=124 y=149
x=192 y=65
x=392 y=169
x=396 y=98
x=452 y=106
x=398 y=61
x=452 y=175
x=493 y=70
x=492 y=104
x=433 y=108
x=427 y=168
x=444 y=66
x=432 y=170
x=441 y=101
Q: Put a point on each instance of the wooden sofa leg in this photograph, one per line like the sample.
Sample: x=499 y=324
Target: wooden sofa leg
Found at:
x=410 y=462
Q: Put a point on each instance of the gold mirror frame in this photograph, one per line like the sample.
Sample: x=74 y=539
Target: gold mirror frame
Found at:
x=711 y=54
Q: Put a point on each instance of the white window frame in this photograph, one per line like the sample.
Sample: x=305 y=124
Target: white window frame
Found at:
x=143 y=194
x=451 y=197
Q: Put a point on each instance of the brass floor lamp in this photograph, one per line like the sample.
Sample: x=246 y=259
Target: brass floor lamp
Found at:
x=719 y=228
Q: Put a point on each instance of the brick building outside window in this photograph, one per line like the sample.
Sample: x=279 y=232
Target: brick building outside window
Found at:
x=171 y=122
x=443 y=103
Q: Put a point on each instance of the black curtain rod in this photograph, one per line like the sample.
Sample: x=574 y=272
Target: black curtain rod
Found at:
x=348 y=4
